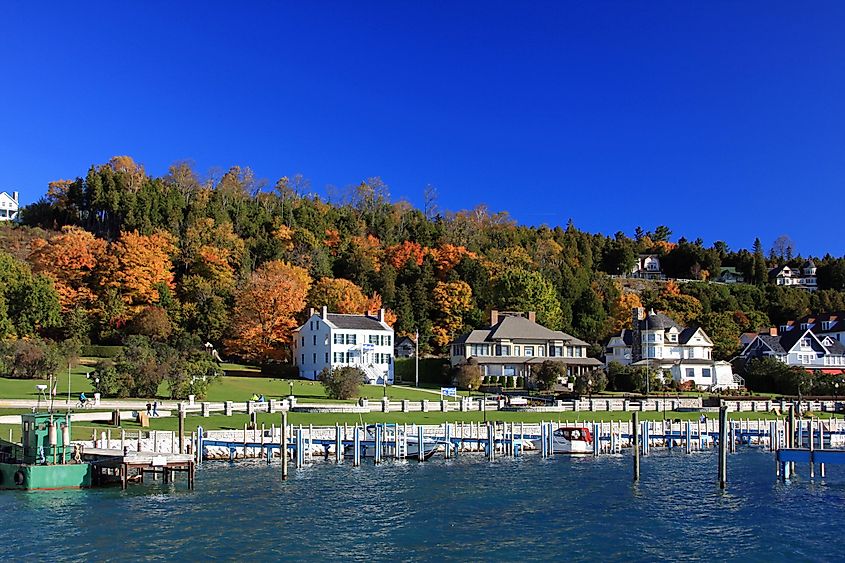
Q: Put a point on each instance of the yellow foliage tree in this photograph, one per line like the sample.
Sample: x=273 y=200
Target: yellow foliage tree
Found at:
x=627 y=301
x=339 y=295
x=135 y=264
x=452 y=300
x=264 y=313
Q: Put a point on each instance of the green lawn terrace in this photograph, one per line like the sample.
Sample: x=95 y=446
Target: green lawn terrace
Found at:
x=247 y=382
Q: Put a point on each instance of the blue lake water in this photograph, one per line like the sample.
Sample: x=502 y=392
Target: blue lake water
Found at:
x=465 y=509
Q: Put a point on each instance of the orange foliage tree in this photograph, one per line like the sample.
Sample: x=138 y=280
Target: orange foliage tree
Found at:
x=212 y=251
x=452 y=300
x=339 y=295
x=263 y=317
x=447 y=256
x=399 y=254
x=70 y=258
x=374 y=303
x=136 y=264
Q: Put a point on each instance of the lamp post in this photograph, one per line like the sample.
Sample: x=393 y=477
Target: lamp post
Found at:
x=291 y=388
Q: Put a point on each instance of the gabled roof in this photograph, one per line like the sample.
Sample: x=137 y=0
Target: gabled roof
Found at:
x=784 y=343
x=404 y=340
x=355 y=322
x=517 y=328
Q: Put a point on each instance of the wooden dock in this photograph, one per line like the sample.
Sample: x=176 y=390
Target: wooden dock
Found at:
x=125 y=466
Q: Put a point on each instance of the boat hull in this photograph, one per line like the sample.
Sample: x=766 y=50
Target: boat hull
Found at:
x=563 y=446
x=44 y=477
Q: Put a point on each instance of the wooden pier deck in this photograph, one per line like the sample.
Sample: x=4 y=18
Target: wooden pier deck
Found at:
x=127 y=466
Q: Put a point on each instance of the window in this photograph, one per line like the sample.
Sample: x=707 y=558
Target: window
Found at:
x=690 y=373
x=327 y=357
x=338 y=338
x=374 y=339
x=529 y=350
x=337 y=357
x=315 y=357
x=312 y=325
x=541 y=350
x=352 y=339
x=516 y=350
x=385 y=340
x=303 y=359
x=303 y=341
x=805 y=343
x=315 y=340
x=705 y=372
x=503 y=350
x=556 y=351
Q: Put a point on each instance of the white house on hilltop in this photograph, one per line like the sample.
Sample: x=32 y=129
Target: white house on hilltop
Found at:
x=803 y=277
x=9 y=206
x=330 y=340
x=658 y=342
x=648 y=267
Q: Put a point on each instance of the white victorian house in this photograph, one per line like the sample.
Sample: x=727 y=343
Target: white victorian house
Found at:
x=514 y=342
x=9 y=206
x=803 y=277
x=330 y=340
x=802 y=348
x=658 y=342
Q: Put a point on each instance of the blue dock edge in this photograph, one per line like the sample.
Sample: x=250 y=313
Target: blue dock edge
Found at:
x=803 y=455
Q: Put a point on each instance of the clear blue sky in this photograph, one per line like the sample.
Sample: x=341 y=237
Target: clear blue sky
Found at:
x=723 y=120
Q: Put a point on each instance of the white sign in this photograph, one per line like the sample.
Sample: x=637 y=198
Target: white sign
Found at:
x=369 y=347
x=159 y=461
x=449 y=391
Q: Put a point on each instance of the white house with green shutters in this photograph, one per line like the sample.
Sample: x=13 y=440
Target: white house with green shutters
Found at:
x=9 y=206
x=330 y=340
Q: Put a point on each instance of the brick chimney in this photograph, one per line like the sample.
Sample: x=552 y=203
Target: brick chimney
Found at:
x=324 y=313
x=494 y=317
x=15 y=196
x=311 y=312
x=773 y=331
x=532 y=316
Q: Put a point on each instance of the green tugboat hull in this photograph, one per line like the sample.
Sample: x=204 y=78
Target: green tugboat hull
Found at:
x=44 y=477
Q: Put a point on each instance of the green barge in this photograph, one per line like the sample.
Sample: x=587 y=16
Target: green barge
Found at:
x=45 y=459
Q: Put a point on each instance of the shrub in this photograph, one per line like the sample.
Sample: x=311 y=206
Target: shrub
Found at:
x=548 y=374
x=342 y=382
x=101 y=351
x=468 y=375
x=33 y=359
x=520 y=382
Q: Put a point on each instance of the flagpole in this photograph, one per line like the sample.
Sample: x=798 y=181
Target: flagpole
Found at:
x=417 y=358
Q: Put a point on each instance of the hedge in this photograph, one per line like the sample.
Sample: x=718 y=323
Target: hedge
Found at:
x=94 y=351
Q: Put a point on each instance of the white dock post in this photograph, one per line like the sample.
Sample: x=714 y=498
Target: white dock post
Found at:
x=448 y=444
x=377 y=444
x=338 y=444
x=283 y=444
x=356 y=444
x=421 y=443
x=821 y=447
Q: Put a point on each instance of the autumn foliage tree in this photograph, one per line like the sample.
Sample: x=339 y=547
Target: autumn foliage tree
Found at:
x=264 y=313
x=70 y=259
x=339 y=295
x=452 y=300
x=136 y=264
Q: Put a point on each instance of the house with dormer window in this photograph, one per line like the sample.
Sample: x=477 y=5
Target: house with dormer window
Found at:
x=658 y=342
x=803 y=277
x=798 y=347
x=515 y=341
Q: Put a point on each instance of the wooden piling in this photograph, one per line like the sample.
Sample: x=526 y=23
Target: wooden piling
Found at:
x=723 y=449
x=635 y=443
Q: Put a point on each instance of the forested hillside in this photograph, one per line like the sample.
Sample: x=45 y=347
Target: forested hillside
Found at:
x=236 y=261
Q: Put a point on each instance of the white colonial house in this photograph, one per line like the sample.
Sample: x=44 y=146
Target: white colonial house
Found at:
x=802 y=348
x=330 y=340
x=9 y=206
x=658 y=342
x=514 y=342
x=803 y=277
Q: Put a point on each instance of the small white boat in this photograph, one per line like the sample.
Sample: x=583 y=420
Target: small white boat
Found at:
x=570 y=440
x=408 y=445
